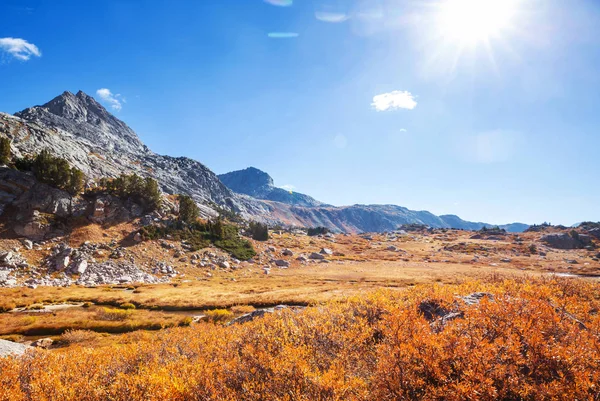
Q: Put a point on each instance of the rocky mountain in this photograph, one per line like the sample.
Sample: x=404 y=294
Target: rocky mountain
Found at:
x=79 y=129
x=258 y=184
x=303 y=210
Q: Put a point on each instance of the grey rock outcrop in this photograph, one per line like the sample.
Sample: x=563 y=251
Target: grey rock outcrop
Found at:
x=566 y=241
x=8 y=348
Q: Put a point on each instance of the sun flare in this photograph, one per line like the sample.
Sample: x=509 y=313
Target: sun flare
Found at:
x=472 y=21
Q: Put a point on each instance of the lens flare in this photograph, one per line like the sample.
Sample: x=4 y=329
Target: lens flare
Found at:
x=282 y=35
x=280 y=3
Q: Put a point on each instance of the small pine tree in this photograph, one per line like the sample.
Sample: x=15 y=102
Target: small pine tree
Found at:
x=216 y=228
x=258 y=231
x=188 y=210
x=151 y=194
x=5 y=153
x=76 y=181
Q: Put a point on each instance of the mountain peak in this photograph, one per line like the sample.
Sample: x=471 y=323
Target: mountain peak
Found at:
x=248 y=181
x=256 y=183
x=82 y=115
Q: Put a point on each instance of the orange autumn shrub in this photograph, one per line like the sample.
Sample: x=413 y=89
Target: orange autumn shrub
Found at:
x=534 y=340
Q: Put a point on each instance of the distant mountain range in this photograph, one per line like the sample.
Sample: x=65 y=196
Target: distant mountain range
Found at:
x=79 y=129
x=306 y=211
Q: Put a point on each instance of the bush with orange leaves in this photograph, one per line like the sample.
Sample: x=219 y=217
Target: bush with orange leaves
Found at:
x=535 y=339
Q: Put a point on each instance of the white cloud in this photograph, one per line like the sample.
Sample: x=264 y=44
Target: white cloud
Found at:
x=393 y=101
x=403 y=130
x=288 y=187
x=19 y=48
x=113 y=100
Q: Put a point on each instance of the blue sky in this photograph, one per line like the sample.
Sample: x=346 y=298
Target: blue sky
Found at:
x=389 y=101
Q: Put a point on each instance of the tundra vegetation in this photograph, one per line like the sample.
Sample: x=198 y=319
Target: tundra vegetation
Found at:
x=526 y=339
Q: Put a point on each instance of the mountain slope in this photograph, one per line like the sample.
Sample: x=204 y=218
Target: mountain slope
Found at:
x=258 y=184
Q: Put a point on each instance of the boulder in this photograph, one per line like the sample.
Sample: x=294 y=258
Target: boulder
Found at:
x=326 y=251
x=33 y=226
x=80 y=266
x=316 y=256
x=287 y=252
x=282 y=263
x=9 y=348
x=566 y=241
x=42 y=343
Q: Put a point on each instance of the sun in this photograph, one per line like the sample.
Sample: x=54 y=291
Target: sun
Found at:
x=473 y=21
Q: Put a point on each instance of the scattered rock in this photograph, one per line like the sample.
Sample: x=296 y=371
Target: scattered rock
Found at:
x=326 y=251
x=282 y=263
x=316 y=256
x=287 y=252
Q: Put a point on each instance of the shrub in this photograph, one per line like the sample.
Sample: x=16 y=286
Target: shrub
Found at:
x=5 y=152
x=78 y=336
x=111 y=314
x=6 y=306
x=54 y=171
x=24 y=163
x=86 y=305
x=144 y=191
x=258 y=231
x=517 y=345
x=188 y=209
x=200 y=235
x=532 y=249
x=127 y=305
x=218 y=315
x=314 y=231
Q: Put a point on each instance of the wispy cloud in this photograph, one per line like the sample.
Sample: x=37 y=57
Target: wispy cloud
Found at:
x=19 y=48
x=280 y=3
x=403 y=130
x=114 y=100
x=393 y=101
